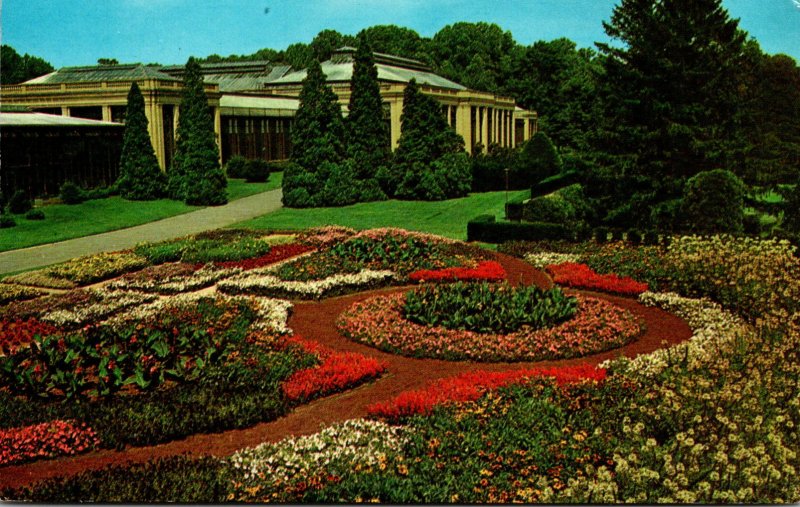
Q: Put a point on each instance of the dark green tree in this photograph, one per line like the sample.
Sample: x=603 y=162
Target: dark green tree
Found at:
x=430 y=162
x=20 y=68
x=791 y=215
x=538 y=159
x=368 y=140
x=317 y=141
x=669 y=97
x=398 y=41
x=196 y=176
x=140 y=177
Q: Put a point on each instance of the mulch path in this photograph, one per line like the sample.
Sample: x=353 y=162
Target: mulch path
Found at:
x=316 y=320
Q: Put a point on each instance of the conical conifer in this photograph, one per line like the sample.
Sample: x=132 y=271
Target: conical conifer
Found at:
x=140 y=177
x=197 y=177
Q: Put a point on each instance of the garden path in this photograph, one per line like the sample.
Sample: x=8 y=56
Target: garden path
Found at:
x=193 y=222
x=316 y=320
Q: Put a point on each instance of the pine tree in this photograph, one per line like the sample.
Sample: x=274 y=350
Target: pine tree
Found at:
x=140 y=177
x=669 y=95
x=196 y=175
x=317 y=142
x=538 y=159
x=430 y=162
x=367 y=132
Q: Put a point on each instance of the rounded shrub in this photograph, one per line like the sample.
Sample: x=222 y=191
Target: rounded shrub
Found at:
x=7 y=221
x=601 y=234
x=19 y=203
x=235 y=167
x=71 y=193
x=634 y=237
x=713 y=202
x=256 y=171
x=650 y=238
x=34 y=214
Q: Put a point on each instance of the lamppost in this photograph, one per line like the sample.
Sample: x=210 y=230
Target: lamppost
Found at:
x=506 y=171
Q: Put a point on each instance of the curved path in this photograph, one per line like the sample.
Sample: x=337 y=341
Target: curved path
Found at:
x=193 y=222
x=316 y=320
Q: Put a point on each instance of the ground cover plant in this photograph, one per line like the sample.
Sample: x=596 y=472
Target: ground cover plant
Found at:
x=11 y=292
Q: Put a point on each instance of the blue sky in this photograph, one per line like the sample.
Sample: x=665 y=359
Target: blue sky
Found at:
x=78 y=32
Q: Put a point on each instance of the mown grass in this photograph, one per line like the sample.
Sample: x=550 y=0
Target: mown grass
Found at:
x=446 y=218
x=63 y=221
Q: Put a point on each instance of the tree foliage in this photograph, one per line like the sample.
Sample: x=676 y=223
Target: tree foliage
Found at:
x=430 y=162
x=20 y=68
x=318 y=143
x=196 y=176
x=538 y=159
x=140 y=177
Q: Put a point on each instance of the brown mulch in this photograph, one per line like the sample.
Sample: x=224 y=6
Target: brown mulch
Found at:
x=316 y=320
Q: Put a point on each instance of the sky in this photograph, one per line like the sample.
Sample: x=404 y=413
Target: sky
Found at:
x=78 y=32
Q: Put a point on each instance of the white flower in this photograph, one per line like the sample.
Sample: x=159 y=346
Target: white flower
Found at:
x=263 y=282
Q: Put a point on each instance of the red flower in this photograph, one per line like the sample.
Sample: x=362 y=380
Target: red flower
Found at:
x=574 y=274
x=486 y=270
x=276 y=254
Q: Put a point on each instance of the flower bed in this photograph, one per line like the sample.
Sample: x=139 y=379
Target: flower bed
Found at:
x=101 y=304
x=485 y=270
x=97 y=267
x=471 y=386
x=173 y=278
x=213 y=246
x=16 y=333
x=40 y=278
x=338 y=371
x=45 y=440
x=582 y=276
x=11 y=292
x=597 y=326
x=280 y=471
x=543 y=259
x=264 y=283
x=276 y=254
x=323 y=237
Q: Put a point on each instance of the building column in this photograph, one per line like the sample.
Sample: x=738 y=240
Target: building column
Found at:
x=106 y=113
x=218 y=131
x=485 y=128
x=395 y=112
x=463 y=125
x=65 y=111
x=155 y=127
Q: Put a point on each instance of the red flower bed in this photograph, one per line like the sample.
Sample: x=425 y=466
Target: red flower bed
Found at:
x=45 y=440
x=471 y=386
x=276 y=254
x=338 y=371
x=16 y=333
x=486 y=270
x=573 y=274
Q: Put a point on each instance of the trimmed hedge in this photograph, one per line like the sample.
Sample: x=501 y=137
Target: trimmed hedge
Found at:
x=553 y=183
x=485 y=228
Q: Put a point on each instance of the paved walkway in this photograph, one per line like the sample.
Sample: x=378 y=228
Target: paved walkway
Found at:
x=173 y=227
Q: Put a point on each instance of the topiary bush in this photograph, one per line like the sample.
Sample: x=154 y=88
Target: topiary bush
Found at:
x=19 y=202
x=713 y=202
x=71 y=193
x=234 y=168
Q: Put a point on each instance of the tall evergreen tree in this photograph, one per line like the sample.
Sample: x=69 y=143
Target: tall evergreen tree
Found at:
x=317 y=142
x=669 y=95
x=430 y=162
x=196 y=175
x=367 y=133
x=140 y=177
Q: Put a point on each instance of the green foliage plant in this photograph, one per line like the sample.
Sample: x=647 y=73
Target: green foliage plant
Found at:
x=538 y=159
x=140 y=179
x=34 y=214
x=488 y=308
x=234 y=168
x=71 y=193
x=19 y=202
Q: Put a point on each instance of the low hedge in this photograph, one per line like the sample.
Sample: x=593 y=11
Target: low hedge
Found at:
x=486 y=229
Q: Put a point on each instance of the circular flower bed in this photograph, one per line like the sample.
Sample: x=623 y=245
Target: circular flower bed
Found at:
x=596 y=327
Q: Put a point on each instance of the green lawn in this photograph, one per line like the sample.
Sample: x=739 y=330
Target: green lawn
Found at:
x=446 y=218
x=64 y=221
